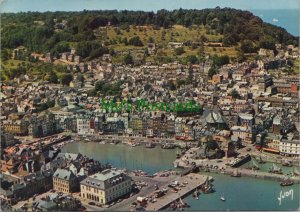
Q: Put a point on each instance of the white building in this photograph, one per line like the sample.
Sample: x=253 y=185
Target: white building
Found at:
x=83 y=124
x=290 y=147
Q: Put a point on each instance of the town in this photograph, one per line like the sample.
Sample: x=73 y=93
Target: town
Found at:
x=246 y=111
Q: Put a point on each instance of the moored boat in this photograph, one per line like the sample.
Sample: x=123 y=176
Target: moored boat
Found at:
x=287 y=163
x=275 y=169
x=296 y=171
x=261 y=161
x=286 y=182
x=150 y=145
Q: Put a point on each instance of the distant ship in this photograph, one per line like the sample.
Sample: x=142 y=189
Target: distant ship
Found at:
x=275 y=20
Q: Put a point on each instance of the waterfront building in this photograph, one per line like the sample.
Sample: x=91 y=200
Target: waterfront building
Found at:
x=83 y=124
x=290 y=146
x=105 y=187
x=243 y=133
x=15 y=127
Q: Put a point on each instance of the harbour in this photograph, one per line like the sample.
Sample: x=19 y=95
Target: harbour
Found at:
x=153 y=160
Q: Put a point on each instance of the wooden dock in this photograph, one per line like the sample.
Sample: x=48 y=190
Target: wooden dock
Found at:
x=193 y=182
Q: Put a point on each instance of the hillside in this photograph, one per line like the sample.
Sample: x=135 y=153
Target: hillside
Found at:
x=94 y=33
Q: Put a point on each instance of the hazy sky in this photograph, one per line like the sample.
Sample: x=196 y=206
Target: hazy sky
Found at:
x=148 y=5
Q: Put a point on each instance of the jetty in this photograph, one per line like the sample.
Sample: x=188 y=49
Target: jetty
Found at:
x=193 y=181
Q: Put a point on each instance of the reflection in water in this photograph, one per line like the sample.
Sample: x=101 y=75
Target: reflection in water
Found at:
x=121 y=155
x=240 y=193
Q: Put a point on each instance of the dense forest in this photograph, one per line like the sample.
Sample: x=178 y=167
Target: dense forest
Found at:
x=54 y=31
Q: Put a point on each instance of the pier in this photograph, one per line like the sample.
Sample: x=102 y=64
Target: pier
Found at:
x=193 y=182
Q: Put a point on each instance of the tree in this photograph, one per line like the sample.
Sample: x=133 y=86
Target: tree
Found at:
x=147 y=87
x=4 y=55
x=247 y=46
x=128 y=59
x=61 y=47
x=171 y=85
x=90 y=49
x=151 y=40
x=135 y=41
x=235 y=94
x=212 y=71
x=267 y=44
x=80 y=78
x=220 y=60
x=53 y=77
x=179 y=51
x=192 y=59
x=66 y=78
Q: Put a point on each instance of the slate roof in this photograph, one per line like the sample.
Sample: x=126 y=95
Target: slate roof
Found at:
x=213 y=116
x=105 y=179
x=64 y=174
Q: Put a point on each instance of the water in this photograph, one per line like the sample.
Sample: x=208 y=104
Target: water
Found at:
x=288 y=19
x=245 y=194
x=266 y=166
x=240 y=193
x=122 y=155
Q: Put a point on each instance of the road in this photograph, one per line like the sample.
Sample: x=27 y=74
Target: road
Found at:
x=162 y=182
x=134 y=139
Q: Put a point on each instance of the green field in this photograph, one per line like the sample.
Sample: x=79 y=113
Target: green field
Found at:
x=161 y=36
x=115 y=36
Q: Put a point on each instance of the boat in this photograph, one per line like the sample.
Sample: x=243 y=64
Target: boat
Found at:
x=287 y=163
x=133 y=144
x=150 y=145
x=286 y=182
x=255 y=164
x=178 y=155
x=296 y=171
x=168 y=146
x=222 y=198
x=207 y=187
x=275 y=169
x=236 y=173
x=261 y=161
x=196 y=194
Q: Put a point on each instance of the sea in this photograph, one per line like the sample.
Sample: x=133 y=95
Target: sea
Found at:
x=242 y=193
x=287 y=19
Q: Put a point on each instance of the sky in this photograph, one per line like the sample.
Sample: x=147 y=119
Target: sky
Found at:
x=147 y=5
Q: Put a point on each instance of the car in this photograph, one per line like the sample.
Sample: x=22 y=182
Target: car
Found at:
x=248 y=149
x=140 y=208
x=92 y=203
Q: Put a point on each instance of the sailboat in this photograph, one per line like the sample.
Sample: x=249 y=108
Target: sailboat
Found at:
x=178 y=155
x=261 y=160
x=296 y=171
x=275 y=169
x=196 y=194
x=255 y=164
x=222 y=198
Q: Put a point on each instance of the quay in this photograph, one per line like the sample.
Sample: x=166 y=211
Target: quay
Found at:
x=215 y=167
x=252 y=173
x=193 y=182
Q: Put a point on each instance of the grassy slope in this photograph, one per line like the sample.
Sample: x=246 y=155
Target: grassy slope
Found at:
x=163 y=36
